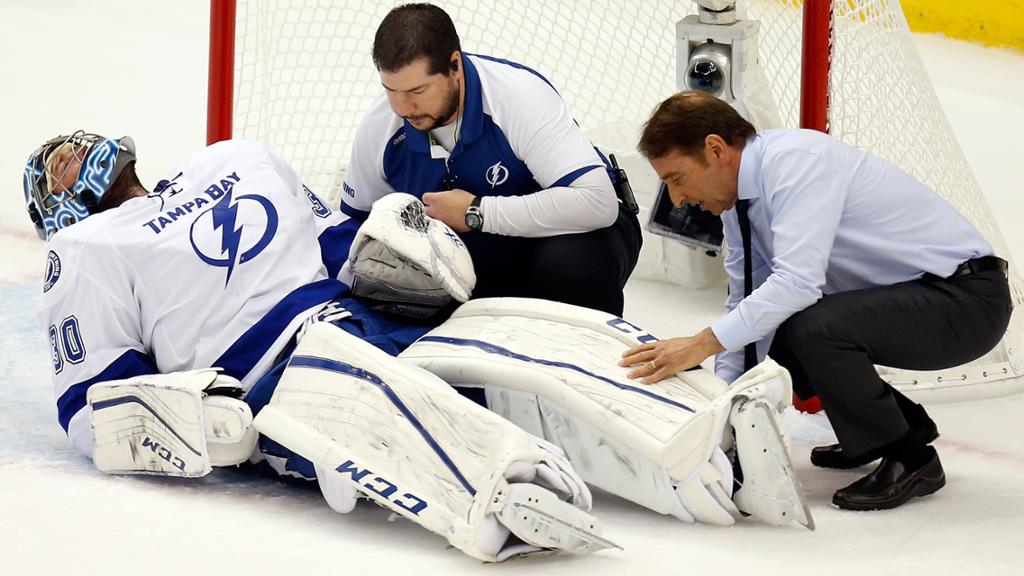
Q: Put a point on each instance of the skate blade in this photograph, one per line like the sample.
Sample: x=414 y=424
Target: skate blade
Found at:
x=536 y=516
x=776 y=496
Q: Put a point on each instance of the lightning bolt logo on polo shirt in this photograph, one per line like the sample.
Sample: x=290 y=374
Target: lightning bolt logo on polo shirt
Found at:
x=234 y=231
x=496 y=175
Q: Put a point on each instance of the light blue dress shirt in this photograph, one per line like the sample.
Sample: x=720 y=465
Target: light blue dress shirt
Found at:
x=827 y=218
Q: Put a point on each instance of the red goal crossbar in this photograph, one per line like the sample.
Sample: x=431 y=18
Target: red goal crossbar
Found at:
x=816 y=52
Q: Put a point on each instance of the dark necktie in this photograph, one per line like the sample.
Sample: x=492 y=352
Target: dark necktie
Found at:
x=750 y=351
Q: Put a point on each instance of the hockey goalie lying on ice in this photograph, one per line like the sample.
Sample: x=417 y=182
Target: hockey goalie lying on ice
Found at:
x=228 y=263
x=254 y=254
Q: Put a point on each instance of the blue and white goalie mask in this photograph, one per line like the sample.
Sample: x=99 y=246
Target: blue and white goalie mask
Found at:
x=66 y=178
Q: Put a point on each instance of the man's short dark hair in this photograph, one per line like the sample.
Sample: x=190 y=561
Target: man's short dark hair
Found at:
x=684 y=120
x=413 y=31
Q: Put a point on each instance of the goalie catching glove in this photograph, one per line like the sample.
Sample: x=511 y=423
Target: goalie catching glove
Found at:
x=407 y=262
x=178 y=424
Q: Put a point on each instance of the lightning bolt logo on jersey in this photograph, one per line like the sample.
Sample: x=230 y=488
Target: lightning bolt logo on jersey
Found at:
x=219 y=266
x=241 y=238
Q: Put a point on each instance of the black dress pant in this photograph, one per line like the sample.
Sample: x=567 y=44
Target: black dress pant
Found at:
x=831 y=348
x=587 y=269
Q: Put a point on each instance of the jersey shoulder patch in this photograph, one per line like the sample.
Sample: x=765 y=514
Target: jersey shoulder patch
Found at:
x=52 y=271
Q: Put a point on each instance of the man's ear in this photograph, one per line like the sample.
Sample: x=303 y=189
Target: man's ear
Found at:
x=714 y=147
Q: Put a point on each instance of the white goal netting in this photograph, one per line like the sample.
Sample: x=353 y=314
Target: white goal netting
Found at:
x=304 y=78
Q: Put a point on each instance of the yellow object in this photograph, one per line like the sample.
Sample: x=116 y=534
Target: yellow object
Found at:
x=989 y=22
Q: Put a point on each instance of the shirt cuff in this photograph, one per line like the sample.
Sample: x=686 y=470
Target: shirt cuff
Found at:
x=489 y=211
x=729 y=366
x=732 y=331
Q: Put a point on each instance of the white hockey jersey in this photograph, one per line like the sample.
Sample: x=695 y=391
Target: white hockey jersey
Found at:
x=218 y=266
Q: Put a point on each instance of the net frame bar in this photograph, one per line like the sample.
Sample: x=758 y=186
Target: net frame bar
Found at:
x=220 y=104
x=815 y=60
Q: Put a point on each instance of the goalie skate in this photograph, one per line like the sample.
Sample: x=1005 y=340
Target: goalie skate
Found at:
x=770 y=490
x=526 y=513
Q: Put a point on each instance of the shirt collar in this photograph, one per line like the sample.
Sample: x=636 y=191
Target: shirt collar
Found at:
x=473 y=113
x=749 y=180
x=471 y=124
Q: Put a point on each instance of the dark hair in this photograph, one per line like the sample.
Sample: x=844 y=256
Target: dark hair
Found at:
x=684 y=120
x=413 y=31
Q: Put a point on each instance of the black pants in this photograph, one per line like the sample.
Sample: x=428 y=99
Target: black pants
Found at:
x=830 y=348
x=587 y=269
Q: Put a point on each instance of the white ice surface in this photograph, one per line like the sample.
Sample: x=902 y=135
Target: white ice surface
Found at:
x=138 y=68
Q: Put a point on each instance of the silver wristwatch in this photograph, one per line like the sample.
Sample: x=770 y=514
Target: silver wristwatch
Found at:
x=474 y=216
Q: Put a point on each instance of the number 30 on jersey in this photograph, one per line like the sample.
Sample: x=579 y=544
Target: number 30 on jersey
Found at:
x=66 y=343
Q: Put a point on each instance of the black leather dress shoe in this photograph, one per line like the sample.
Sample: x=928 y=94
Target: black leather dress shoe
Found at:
x=892 y=484
x=832 y=456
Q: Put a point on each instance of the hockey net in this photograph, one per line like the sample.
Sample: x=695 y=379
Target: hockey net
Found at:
x=303 y=78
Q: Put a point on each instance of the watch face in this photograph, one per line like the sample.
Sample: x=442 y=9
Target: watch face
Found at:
x=474 y=220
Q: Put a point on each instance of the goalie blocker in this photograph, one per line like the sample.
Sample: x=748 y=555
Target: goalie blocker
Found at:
x=550 y=368
x=178 y=424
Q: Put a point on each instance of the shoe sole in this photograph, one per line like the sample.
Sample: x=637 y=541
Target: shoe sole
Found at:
x=843 y=463
x=920 y=488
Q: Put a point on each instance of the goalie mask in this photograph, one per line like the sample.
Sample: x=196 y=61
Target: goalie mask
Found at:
x=65 y=178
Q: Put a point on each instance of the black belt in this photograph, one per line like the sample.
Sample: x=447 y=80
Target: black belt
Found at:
x=979 y=265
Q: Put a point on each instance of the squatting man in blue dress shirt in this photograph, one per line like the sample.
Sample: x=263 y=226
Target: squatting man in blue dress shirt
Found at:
x=853 y=263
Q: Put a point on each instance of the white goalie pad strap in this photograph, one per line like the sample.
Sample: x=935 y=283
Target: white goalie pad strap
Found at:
x=401 y=255
x=340 y=495
x=558 y=475
x=165 y=424
x=409 y=442
x=703 y=496
x=551 y=368
x=230 y=436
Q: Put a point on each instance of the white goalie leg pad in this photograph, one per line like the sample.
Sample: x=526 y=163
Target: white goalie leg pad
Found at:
x=703 y=496
x=551 y=368
x=401 y=255
x=177 y=424
x=409 y=442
